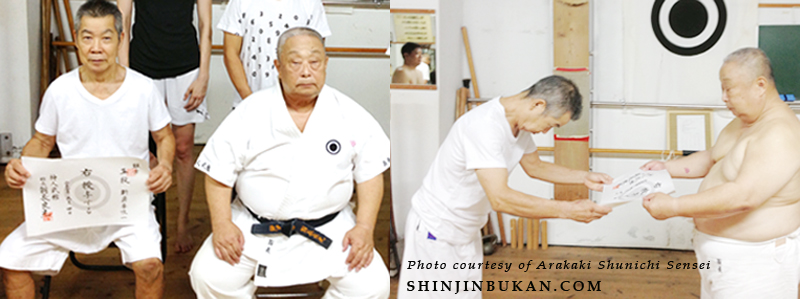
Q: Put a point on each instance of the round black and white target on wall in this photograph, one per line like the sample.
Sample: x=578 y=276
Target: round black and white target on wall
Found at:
x=688 y=27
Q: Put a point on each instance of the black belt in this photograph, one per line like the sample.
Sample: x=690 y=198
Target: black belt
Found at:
x=305 y=228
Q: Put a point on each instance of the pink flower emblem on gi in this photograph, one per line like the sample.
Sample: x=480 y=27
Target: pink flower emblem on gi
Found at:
x=353 y=143
x=131 y=171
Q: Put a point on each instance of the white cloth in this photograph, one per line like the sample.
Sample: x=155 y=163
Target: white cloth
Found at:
x=739 y=269
x=260 y=23
x=451 y=201
x=45 y=255
x=426 y=71
x=238 y=281
x=281 y=173
x=86 y=126
x=421 y=247
x=117 y=126
x=173 y=90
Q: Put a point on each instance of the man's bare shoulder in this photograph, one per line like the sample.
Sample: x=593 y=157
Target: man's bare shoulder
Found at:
x=399 y=76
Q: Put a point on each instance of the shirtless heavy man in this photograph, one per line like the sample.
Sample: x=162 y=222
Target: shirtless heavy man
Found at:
x=747 y=211
x=408 y=72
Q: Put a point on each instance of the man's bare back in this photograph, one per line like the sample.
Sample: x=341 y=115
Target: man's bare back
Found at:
x=737 y=143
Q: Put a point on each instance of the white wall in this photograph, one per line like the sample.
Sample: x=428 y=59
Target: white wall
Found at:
x=512 y=43
x=20 y=59
x=422 y=118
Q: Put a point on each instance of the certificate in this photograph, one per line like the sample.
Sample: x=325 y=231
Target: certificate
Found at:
x=635 y=186
x=63 y=194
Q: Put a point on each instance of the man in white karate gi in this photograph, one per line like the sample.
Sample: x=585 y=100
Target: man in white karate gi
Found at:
x=293 y=152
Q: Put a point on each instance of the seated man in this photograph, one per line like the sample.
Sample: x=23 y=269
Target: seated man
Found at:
x=746 y=211
x=293 y=151
x=100 y=109
x=469 y=178
x=408 y=73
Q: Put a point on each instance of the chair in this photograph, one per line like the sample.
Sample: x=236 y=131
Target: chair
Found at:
x=309 y=290
x=160 y=202
x=464 y=103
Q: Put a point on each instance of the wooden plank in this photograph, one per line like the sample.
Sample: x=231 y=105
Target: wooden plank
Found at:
x=571 y=33
x=44 y=80
x=573 y=154
x=469 y=61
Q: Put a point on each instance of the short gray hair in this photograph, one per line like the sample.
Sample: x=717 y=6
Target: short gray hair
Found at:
x=754 y=61
x=560 y=94
x=99 y=9
x=297 y=31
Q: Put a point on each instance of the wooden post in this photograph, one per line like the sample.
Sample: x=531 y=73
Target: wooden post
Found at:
x=45 y=78
x=544 y=235
x=514 y=233
x=501 y=227
x=521 y=233
x=535 y=234
x=571 y=60
x=469 y=61
x=530 y=234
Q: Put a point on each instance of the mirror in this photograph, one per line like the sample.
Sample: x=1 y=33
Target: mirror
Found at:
x=413 y=49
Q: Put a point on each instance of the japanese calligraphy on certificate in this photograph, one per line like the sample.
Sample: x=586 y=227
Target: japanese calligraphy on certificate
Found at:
x=635 y=186
x=64 y=194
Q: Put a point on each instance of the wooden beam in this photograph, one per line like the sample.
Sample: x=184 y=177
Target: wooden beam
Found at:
x=45 y=77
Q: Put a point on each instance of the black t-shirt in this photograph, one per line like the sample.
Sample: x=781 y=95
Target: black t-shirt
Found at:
x=164 y=39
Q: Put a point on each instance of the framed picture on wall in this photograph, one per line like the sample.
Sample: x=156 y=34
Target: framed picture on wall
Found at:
x=689 y=130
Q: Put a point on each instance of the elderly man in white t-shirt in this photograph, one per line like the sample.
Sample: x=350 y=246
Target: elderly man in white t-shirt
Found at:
x=469 y=178
x=293 y=153
x=101 y=109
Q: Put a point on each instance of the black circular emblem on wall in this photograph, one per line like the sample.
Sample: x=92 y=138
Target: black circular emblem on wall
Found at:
x=333 y=146
x=688 y=19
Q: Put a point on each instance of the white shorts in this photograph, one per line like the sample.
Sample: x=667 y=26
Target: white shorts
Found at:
x=45 y=255
x=421 y=246
x=742 y=269
x=173 y=90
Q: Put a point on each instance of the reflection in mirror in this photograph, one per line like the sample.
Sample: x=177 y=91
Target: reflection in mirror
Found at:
x=413 y=47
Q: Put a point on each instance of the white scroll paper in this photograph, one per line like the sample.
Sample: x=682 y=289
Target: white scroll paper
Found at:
x=64 y=194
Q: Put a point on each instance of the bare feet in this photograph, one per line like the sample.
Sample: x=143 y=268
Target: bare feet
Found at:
x=184 y=243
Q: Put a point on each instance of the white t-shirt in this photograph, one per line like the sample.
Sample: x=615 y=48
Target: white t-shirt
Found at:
x=281 y=173
x=86 y=126
x=260 y=23
x=451 y=202
x=426 y=71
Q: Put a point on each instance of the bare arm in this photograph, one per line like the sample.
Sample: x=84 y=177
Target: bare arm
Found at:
x=232 y=46
x=161 y=176
x=546 y=171
x=693 y=166
x=227 y=237
x=360 y=238
x=126 y=8
x=197 y=91
x=768 y=164
x=39 y=146
x=504 y=199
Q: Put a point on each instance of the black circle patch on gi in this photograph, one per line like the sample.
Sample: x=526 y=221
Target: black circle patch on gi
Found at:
x=333 y=146
x=688 y=19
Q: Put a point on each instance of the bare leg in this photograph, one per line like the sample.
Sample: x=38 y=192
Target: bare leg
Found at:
x=19 y=284
x=149 y=278
x=184 y=170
